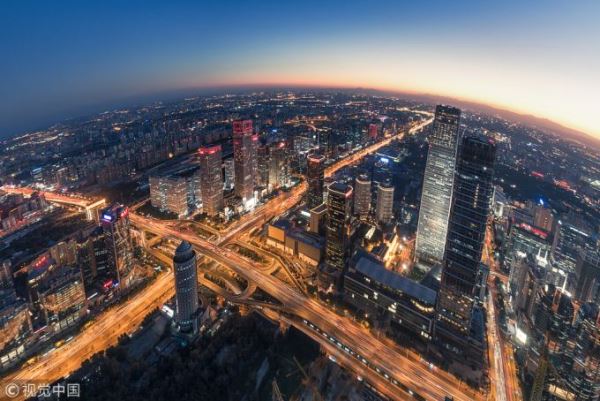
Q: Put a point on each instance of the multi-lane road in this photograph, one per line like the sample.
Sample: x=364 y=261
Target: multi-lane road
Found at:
x=430 y=383
x=503 y=372
x=125 y=318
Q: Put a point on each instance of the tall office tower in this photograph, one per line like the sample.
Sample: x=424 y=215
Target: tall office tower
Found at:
x=254 y=145
x=438 y=181
x=543 y=218
x=115 y=224
x=587 y=273
x=278 y=165
x=186 y=286
x=573 y=235
x=461 y=272
x=244 y=159
x=578 y=364
x=211 y=179
x=315 y=177
x=62 y=297
x=385 y=202
x=262 y=161
x=525 y=239
x=229 y=172
x=338 y=220
x=362 y=196
x=86 y=261
x=373 y=128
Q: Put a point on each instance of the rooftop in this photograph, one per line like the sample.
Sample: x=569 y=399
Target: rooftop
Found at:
x=376 y=271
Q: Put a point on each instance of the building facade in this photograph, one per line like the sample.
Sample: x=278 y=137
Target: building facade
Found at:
x=385 y=203
x=119 y=245
x=244 y=155
x=362 y=196
x=461 y=271
x=279 y=176
x=316 y=178
x=211 y=180
x=438 y=182
x=338 y=217
x=186 y=287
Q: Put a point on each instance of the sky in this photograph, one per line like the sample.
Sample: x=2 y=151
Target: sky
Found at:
x=69 y=58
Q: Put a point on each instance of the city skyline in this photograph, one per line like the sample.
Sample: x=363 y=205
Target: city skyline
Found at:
x=283 y=201
x=96 y=57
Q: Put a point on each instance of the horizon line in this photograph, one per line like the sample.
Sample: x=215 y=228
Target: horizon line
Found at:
x=176 y=93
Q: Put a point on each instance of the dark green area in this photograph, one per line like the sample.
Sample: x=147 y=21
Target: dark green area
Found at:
x=50 y=230
x=148 y=210
x=219 y=368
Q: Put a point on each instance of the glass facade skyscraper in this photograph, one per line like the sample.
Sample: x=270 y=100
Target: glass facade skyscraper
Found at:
x=186 y=286
x=338 y=216
x=436 y=196
x=362 y=196
x=315 y=178
x=211 y=180
x=244 y=154
x=461 y=272
x=115 y=223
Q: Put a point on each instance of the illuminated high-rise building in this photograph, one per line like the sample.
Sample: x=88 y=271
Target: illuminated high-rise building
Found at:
x=119 y=246
x=244 y=155
x=543 y=218
x=587 y=274
x=461 y=271
x=15 y=320
x=211 y=180
x=373 y=130
x=573 y=235
x=315 y=176
x=186 y=287
x=62 y=297
x=436 y=195
x=385 y=202
x=262 y=161
x=362 y=196
x=338 y=218
x=229 y=173
x=278 y=165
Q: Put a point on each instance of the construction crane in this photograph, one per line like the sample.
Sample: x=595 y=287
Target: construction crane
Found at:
x=310 y=382
x=277 y=396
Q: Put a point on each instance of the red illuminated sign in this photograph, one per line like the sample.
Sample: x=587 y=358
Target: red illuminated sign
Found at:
x=210 y=150
x=242 y=127
x=537 y=174
x=540 y=233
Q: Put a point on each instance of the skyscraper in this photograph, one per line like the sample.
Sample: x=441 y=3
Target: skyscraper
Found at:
x=244 y=156
x=211 y=180
x=543 y=218
x=186 y=287
x=119 y=246
x=278 y=165
x=573 y=235
x=229 y=173
x=362 y=196
x=385 y=202
x=338 y=218
x=262 y=161
x=461 y=272
x=315 y=177
x=587 y=273
x=373 y=129
x=436 y=196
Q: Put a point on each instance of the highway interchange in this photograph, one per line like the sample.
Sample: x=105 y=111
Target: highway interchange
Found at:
x=356 y=348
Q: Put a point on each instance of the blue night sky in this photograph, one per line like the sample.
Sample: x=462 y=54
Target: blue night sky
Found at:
x=63 y=59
